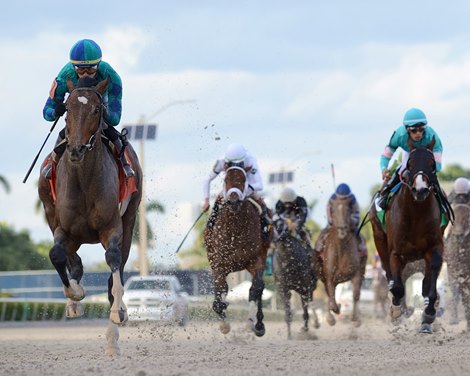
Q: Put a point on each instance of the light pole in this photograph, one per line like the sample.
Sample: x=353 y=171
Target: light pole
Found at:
x=145 y=131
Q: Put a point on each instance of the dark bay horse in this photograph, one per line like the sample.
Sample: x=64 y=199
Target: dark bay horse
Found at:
x=413 y=232
x=457 y=256
x=292 y=267
x=340 y=260
x=235 y=243
x=86 y=208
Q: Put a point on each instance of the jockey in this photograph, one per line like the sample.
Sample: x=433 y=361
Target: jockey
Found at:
x=85 y=61
x=460 y=192
x=294 y=207
x=236 y=154
x=343 y=191
x=415 y=128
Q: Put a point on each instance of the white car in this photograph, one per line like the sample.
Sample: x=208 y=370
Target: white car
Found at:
x=158 y=298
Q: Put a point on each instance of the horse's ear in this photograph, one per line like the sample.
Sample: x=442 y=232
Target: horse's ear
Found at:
x=410 y=144
x=70 y=85
x=432 y=143
x=248 y=169
x=103 y=86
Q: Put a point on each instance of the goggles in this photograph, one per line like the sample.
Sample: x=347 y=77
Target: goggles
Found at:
x=87 y=69
x=417 y=129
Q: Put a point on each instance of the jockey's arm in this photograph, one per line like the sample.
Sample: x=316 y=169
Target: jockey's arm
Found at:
x=206 y=184
x=56 y=95
x=302 y=211
x=114 y=93
x=255 y=181
x=388 y=152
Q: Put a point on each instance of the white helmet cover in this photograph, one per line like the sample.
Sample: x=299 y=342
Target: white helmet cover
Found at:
x=288 y=195
x=461 y=186
x=235 y=153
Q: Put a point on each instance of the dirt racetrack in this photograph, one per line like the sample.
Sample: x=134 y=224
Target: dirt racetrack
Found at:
x=375 y=348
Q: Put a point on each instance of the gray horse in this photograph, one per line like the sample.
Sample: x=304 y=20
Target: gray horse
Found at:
x=293 y=270
x=457 y=256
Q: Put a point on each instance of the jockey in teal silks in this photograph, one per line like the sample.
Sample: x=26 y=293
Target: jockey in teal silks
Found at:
x=415 y=128
x=85 y=61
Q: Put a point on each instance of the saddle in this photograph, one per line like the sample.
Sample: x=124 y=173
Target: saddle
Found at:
x=126 y=186
x=447 y=214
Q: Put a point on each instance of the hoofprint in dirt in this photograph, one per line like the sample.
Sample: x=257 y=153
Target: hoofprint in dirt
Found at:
x=71 y=348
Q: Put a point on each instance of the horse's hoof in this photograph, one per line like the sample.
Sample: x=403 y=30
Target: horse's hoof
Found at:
x=427 y=319
x=425 y=328
x=112 y=351
x=74 y=310
x=224 y=327
x=331 y=320
x=316 y=325
x=356 y=323
x=440 y=312
x=395 y=311
x=409 y=312
x=259 y=329
x=119 y=317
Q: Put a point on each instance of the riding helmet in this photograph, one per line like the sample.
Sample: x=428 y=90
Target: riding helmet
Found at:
x=85 y=53
x=414 y=116
x=461 y=186
x=343 y=190
x=235 y=153
x=288 y=195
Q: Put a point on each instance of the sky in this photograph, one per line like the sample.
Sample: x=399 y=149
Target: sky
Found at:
x=304 y=85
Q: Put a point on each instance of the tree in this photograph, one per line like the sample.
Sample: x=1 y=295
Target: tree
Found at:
x=18 y=252
x=452 y=172
x=195 y=257
x=5 y=184
x=152 y=206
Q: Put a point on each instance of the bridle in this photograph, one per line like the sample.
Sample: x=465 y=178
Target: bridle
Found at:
x=429 y=177
x=92 y=140
x=241 y=194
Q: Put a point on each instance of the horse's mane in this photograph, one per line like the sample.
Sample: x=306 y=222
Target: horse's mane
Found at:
x=87 y=82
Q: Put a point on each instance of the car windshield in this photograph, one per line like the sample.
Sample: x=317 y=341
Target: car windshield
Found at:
x=149 y=285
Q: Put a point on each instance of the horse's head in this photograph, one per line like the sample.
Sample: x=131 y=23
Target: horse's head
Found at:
x=340 y=210
x=84 y=116
x=461 y=226
x=235 y=183
x=420 y=172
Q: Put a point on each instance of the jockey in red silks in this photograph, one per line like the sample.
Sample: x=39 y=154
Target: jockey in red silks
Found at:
x=236 y=155
x=85 y=63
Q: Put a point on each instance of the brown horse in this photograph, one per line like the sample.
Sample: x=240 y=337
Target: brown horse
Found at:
x=413 y=232
x=457 y=256
x=235 y=243
x=340 y=260
x=293 y=270
x=86 y=208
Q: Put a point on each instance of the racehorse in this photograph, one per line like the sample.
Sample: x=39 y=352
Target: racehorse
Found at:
x=340 y=260
x=83 y=206
x=293 y=270
x=235 y=243
x=413 y=232
x=457 y=256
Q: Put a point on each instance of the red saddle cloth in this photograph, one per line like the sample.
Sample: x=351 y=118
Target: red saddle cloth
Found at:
x=126 y=186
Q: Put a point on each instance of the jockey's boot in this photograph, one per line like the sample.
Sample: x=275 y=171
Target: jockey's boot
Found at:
x=59 y=149
x=120 y=147
x=383 y=194
x=214 y=212
x=266 y=221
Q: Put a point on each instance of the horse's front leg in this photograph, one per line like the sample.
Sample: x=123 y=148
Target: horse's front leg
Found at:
x=75 y=292
x=429 y=292
x=112 y=244
x=60 y=259
x=396 y=286
x=285 y=296
x=220 y=304
x=330 y=288
x=304 y=300
x=356 y=285
x=256 y=303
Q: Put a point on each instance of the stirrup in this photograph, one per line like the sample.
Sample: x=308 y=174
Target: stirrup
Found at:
x=47 y=170
x=128 y=171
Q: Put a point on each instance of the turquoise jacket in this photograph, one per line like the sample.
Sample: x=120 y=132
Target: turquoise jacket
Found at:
x=112 y=98
x=400 y=139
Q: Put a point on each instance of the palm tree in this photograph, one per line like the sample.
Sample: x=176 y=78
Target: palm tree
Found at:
x=5 y=184
x=152 y=206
